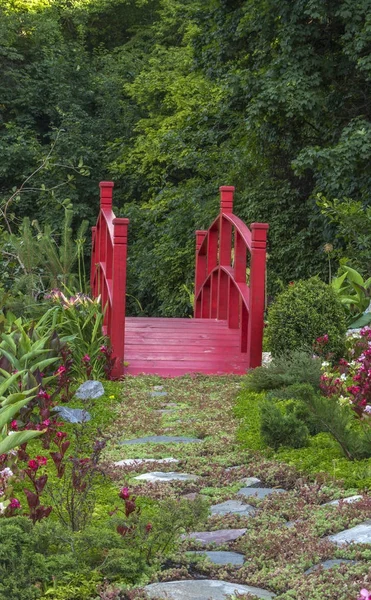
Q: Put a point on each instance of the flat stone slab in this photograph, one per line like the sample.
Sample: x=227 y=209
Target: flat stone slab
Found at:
x=72 y=415
x=202 y=589
x=129 y=462
x=221 y=536
x=251 y=482
x=160 y=439
x=222 y=557
x=234 y=507
x=360 y=534
x=161 y=476
x=164 y=411
x=259 y=492
x=328 y=564
x=348 y=500
x=90 y=390
x=158 y=388
x=157 y=394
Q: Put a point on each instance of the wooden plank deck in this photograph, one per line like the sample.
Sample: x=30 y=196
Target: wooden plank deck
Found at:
x=173 y=347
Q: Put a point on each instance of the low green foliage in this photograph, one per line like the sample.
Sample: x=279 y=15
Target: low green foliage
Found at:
x=304 y=312
x=279 y=428
x=285 y=370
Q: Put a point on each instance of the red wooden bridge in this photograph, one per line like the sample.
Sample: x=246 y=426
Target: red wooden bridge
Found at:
x=226 y=334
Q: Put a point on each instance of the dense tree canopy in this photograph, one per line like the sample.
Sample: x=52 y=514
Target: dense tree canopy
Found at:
x=172 y=98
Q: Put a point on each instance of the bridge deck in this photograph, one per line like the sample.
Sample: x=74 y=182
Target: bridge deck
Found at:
x=173 y=347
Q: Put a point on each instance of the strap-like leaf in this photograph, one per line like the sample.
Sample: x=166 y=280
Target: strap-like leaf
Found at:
x=17 y=439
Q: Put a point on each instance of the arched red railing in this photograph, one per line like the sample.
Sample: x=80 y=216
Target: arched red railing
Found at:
x=108 y=272
x=227 y=286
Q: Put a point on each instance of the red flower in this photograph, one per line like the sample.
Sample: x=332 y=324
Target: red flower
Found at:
x=148 y=527
x=59 y=372
x=61 y=434
x=124 y=493
x=86 y=358
x=41 y=460
x=33 y=465
x=14 y=503
x=14 y=425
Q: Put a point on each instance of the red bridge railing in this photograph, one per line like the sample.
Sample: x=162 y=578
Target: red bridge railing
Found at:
x=227 y=285
x=108 y=272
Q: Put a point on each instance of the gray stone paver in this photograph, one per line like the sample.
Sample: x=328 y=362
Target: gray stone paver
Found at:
x=90 y=390
x=328 y=564
x=360 y=534
x=348 y=500
x=72 y=415
x=129 y=462
x=259 y=492
x=234 y=507
x=221 y=536
x=170 y=476
x=221 y=557
x=160 y=439
x=204 y=589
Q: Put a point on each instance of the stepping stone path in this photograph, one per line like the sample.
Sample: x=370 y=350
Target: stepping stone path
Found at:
x=129 y=462
x=72 y=415
x=90 y=390
x=204 y=589
x=360 y=534
x=220 y=557
x=234 y=507
x=208 y=589
x=328 y=564
x=161 y=476
x=222 y=536
x=160 y=439
x=259 y=492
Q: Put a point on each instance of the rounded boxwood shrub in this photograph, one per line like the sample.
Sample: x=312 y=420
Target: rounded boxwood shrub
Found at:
x=304 y=312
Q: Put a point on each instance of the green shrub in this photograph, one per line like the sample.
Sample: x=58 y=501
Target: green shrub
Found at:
x=285 y=370
x=304 y=312
x=287 y=400
x=248 y=410
x=279 y=428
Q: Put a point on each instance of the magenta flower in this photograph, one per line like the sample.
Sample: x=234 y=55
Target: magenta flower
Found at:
x=14 y=503
x=86 y=358
x=14 y=425
x=365 y=595
x=124 y=493
x=59 y=372
x=33 y=465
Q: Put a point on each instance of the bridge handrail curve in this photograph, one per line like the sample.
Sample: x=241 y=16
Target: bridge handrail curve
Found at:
x=221 y=289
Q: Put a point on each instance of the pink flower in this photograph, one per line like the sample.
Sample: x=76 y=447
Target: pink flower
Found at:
x=14 y=503
x=59 y=372
x=33 y=465
x=124 y=493
x=103 y=349
x=14 y=425
x=46 y=423
x=86 y=358
x=61 y=434
x=41 y=460
x=43 y=394
x=365 y=595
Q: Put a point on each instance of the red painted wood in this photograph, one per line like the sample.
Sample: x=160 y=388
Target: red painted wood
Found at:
x=108 y=272
x=242 y=305
x=226 y=334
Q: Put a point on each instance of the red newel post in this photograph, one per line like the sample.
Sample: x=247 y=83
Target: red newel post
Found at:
x=226 y=198
x=257 y=293
x=106 y=191
x=116 y=326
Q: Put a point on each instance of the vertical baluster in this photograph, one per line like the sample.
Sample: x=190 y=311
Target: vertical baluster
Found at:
x=233 y=306
x=116 y=327
x=93 y=262
x=257 y=293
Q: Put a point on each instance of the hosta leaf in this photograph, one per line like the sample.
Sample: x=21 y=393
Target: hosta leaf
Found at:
x=17 y=439
x=5 y=385
x=364 y=320
x=353 y=275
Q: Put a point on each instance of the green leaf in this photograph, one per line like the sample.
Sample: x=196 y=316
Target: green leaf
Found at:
x=364 y=320
x=8 y=412
x=353 y=275
x=5 y=385
x=17 y=439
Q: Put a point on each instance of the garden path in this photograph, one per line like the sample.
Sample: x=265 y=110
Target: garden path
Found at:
x=271 y=532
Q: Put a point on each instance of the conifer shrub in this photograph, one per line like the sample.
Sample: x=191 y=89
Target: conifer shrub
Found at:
x=280 y=428
x=286 y=370
x=305 y=311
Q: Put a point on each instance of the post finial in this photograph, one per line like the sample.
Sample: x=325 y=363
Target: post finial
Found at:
x=106 y=192
x=226 y=198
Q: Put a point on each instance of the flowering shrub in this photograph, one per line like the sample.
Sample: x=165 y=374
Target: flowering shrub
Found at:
x=79 y=321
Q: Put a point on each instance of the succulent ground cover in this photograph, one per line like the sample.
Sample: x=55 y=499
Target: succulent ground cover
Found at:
x=287 y=534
